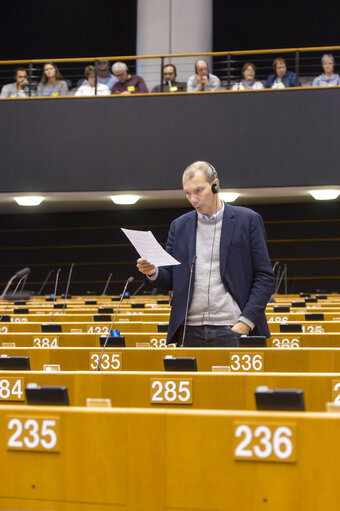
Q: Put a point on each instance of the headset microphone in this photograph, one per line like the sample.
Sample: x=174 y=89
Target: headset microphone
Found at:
x=215 y=188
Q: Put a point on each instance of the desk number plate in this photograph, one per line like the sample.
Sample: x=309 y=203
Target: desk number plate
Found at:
x=257 y=441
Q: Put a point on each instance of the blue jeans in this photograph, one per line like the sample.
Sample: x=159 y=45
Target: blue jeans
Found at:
x=211 y=336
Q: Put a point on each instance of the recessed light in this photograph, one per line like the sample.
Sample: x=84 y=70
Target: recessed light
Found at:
x=30 y=200
x=124 y=199
x=229 y=196
x=325 y=194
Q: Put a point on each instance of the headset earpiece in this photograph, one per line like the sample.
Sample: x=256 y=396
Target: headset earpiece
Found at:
x=215 y=188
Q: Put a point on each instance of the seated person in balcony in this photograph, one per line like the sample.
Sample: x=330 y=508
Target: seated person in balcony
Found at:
x=104 y=75
x=18 y=89
x=170 y=84
x=248 y=82
x=88 y=89
x=328 y=78
x=127 y=84
x=202 y=79
x=52 y=83
x=281 y=78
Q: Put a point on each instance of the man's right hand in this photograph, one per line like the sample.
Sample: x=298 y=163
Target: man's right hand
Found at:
x=145 y=267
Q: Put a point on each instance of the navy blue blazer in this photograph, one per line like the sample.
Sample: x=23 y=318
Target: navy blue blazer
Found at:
x=245 y=266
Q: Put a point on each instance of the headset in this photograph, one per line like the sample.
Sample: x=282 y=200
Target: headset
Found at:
x=215 y=188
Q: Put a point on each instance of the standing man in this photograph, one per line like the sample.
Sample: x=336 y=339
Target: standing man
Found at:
x=202 y=80
x=170 y=84
x=18 y=89
x=127 y=84
x=232 y=276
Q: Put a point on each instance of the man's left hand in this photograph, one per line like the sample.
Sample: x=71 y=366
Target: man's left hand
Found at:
x=241 y=328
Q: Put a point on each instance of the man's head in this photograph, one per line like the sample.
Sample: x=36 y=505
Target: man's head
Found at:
x=169 y=73
x=327 y=61
x=198 y=180
x=21 y=76
x=120 y=70
x=201 y=68
x=280 y=67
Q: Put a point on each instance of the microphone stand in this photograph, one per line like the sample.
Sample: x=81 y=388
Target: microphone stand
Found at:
x=44 y=283
x=55 y=292
x=187 y=305
x=105 y=287
x=15 y=290
x=19 y=274
x=67 y=286
x=130 y=279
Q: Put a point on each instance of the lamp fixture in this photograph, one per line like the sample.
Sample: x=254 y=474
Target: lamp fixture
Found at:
x=325 y=194
x=229 y=196
x=29 y=200
x=124 y=199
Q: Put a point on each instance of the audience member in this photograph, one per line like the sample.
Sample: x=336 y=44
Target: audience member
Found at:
x=170 y=84
x=248 y=82
x=52 y=83
x=127 y=84
x=281 y=78
x=328 y=78
x=103 y=74
x=88 y=89
x=18 y=89
x=202 y=79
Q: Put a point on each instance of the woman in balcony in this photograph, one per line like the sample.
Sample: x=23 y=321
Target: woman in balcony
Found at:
x=52 y=83
x=248 y=82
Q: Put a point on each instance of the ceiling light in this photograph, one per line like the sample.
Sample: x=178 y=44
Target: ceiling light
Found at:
x=325 y=194
x=31 y=200
x=229 y=196
x=124 y=199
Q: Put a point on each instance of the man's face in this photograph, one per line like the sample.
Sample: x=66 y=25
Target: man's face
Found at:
x=281 y=69
x=103 y=65
x=202 y=68
x=199 y=194
x=121 y=74
x=21 y=77
x=169 y=74
x=328 y=66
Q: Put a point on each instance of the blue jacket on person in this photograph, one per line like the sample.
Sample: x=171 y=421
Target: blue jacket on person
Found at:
x=245 y=266
x=288 y=80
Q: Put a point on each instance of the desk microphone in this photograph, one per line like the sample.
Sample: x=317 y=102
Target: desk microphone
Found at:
x=68 y=286
x=130 y=279
x=106 y=286
x=15 y=290
x=18 y=275
x=44 y=283
x=55 y=292
x=187 y=306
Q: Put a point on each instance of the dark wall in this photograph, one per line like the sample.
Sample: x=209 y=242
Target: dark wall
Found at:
x=249 y=25
x=256 y=139
x=38 y=29
x=303 y=236
x=86 y=28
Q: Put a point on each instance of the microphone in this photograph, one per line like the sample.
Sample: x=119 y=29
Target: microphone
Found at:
x=18 y=275
x=44 y=283
x=15 y=290
x=55 y=292
x=106 y=286
x=187 y=306
x=130 y=279
x=68 y=285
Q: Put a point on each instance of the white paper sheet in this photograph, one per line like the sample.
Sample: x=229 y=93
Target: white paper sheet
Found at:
x=149 y=249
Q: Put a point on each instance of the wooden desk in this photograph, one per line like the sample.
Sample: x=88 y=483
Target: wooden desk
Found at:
x=168 y=460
